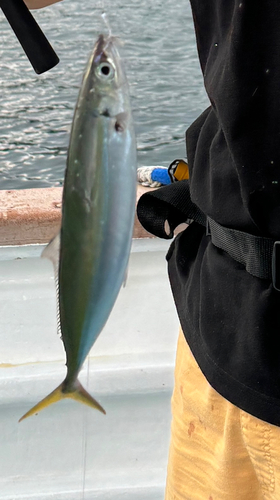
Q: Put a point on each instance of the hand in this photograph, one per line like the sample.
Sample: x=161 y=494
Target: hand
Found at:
x=39 y=4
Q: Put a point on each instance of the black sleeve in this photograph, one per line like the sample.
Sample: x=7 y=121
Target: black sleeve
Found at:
x=233 y=148
x=234 y=155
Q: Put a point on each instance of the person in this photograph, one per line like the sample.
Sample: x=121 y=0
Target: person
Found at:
x=226 y=402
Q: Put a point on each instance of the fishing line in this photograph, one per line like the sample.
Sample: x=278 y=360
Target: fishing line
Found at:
x=106 y=21
x=84 y=439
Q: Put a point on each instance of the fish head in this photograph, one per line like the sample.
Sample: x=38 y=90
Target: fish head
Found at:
x=105 y=79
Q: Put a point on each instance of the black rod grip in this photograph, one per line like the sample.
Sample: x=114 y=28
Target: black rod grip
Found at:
x=33 y=41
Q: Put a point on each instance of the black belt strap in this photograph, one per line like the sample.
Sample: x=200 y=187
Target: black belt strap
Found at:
x=259 y=255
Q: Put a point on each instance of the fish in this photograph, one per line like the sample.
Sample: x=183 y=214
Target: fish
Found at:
x=91 y=250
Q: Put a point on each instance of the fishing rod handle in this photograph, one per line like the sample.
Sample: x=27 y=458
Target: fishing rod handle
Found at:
x=33 y=41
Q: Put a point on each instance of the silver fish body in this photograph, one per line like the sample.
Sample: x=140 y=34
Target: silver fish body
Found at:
x=98 y=203
x=97 y=212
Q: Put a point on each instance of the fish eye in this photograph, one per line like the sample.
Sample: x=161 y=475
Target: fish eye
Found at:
x=105 y=70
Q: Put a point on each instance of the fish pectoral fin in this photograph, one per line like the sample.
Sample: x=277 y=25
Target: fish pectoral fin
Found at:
x=51 y=251
x=77 y=392
x=125 y=277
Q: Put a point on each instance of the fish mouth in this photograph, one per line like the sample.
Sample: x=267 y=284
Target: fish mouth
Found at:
x=101 y=47
x=100 y=44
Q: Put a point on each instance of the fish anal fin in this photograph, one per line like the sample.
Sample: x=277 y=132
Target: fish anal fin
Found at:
x=76 y=392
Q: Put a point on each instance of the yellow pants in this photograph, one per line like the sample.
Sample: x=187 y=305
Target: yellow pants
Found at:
x=217 y=451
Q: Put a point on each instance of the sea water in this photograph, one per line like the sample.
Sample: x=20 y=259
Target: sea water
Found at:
x=162 y=66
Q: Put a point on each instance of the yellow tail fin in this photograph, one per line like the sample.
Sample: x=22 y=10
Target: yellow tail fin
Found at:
x=76 y=392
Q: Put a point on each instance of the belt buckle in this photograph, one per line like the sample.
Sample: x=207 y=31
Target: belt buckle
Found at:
x=276 y=266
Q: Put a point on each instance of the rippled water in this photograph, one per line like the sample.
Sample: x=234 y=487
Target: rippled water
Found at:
x=36 y=111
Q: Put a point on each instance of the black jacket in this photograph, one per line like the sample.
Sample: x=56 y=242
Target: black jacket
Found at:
x=230 y=318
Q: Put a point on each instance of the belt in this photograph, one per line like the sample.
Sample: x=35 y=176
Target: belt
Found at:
x=259 y=255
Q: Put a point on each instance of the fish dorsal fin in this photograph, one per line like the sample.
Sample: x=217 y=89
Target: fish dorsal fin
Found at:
x=51 y=252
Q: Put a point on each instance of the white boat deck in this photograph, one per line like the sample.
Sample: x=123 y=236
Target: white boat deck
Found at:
x=69 y=451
